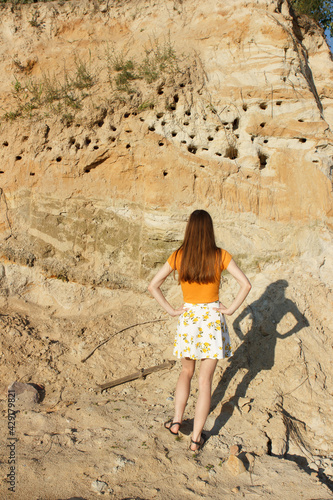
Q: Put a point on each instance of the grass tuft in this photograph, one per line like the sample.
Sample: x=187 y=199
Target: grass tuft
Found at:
x=131 y=82
x=158 y=60
x=60 y=96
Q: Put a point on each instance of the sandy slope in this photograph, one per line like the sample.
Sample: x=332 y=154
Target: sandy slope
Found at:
x=76 y=436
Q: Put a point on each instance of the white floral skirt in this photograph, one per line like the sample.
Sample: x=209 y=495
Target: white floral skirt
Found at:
x=202 y=333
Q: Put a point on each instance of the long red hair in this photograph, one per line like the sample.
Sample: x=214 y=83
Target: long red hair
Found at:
x=199 y=253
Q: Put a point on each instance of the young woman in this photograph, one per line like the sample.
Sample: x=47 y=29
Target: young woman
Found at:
x=201 y=332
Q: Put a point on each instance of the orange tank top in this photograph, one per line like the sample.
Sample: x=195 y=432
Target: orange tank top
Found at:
x=198 y=293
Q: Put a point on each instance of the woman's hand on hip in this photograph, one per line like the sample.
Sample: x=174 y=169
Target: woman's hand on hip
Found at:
x=178 y=312
x=223 y=310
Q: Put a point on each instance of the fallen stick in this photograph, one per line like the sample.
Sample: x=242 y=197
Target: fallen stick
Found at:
x=116 y=333
x=140 y=374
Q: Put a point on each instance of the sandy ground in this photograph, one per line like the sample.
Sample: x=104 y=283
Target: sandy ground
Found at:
x=82 y=443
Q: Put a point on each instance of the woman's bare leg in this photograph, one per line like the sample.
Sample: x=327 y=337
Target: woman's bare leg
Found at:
x=183 y=390
x=207 y=368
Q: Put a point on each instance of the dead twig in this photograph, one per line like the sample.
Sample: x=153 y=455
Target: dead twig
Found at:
x=116 y=333
x=140 y=374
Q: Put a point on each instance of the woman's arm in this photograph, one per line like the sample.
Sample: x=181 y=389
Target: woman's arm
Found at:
x=245 y=287
x=154 y=288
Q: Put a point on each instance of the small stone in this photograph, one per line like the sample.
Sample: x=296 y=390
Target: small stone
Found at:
x=234 y=449
x=236 y=489
x=14 y=332
x=279 y=447
x=250 y=459
x=25 y=394
x=170 y=398
x=99 y=486
x=243 y=402
x=329 y=470
x=143 y=344
x=122 y=461
x=235 y=465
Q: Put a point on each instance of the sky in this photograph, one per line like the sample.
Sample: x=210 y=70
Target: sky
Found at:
x=329 y=40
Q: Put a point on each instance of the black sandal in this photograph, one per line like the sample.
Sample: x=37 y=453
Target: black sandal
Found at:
x=171 y=425
x=200 y=443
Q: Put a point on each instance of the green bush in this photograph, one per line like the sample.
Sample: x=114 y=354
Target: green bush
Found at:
x=320 y=10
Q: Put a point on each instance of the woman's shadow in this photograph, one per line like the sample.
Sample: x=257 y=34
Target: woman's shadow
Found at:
x=257 y=351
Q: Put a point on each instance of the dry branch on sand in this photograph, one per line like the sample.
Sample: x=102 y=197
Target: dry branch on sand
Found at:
x=140 y=374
